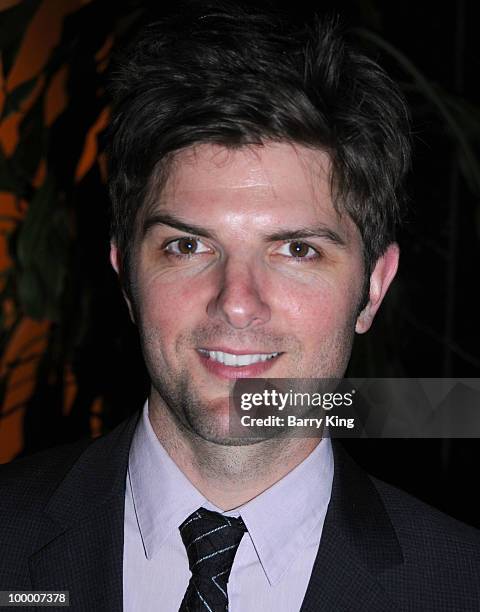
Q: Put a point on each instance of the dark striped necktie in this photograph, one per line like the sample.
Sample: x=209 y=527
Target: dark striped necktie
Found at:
x=211 y=541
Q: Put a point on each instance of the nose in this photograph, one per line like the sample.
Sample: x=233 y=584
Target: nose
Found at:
x=239 y=299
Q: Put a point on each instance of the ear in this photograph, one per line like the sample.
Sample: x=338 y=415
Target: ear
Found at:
x=380 y=279
x=115 y=261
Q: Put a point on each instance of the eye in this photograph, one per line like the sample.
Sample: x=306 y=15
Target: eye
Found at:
x=185 y=247
x=298 y=250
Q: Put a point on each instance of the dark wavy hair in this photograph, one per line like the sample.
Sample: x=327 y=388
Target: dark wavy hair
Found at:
x=220 y=73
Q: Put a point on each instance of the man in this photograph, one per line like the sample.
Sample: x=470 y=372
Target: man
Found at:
x=256 y=172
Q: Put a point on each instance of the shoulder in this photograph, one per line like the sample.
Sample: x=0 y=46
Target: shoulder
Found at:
x=28 y=482
x=416 y=524
x=438 y=550
x=417 y=521
x=423 y=558
x=42 y=493
x=26 y=485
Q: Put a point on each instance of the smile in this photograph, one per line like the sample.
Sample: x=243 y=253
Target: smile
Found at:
x=230 y=359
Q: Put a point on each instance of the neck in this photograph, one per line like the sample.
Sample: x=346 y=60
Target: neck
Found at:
x=228 y=476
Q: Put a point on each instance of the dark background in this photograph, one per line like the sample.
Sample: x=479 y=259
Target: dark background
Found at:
x=426 y=328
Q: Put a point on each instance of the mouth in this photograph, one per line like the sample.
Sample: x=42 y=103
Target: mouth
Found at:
x=231 y=365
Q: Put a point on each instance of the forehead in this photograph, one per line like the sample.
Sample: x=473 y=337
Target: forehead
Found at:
x=275 y=184
x=247 y=165
x=275 y=169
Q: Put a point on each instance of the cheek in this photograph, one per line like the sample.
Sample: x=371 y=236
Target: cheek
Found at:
x=316 y=311
x=168 y=307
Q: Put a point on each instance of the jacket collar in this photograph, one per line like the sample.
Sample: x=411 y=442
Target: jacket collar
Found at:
x=80 y=548
x=358 y=544
x=97 y=476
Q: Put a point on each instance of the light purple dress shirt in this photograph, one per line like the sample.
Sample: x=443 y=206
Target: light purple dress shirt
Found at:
x=274 y=561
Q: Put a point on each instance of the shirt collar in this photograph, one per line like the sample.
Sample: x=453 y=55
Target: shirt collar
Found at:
x=280 y=521
x=162 y=495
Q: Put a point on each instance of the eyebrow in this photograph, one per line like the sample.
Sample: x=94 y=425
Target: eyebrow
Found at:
x=318 y=231
x=175 y=222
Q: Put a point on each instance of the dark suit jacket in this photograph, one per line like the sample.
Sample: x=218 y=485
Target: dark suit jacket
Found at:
x=61 y=528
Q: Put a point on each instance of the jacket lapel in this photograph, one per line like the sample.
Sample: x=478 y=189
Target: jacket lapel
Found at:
x=81 y=546
x=358 y=543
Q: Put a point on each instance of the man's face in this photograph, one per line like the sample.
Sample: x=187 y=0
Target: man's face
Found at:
x=243 y=259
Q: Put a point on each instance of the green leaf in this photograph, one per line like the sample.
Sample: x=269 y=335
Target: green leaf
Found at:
x=431 y=93
x=13 y=23
x=42 y=255
x=466 y=113
x=16 y=97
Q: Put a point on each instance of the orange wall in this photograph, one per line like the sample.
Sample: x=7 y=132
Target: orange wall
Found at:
x=29 y=339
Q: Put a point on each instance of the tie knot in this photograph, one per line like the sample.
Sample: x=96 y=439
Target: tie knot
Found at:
x=211 y=541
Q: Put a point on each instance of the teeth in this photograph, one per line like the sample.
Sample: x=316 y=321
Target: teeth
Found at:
x=237 y=360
